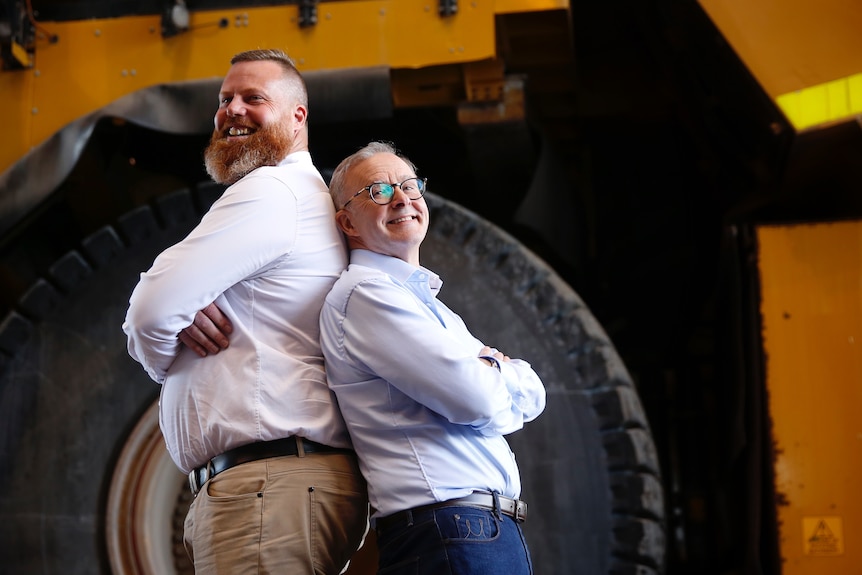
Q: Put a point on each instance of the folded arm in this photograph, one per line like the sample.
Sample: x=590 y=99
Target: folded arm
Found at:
x=389 y=332
x=209 y=333
x=243 y=232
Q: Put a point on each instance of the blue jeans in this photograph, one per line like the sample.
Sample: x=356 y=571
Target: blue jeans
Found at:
x=454 y=541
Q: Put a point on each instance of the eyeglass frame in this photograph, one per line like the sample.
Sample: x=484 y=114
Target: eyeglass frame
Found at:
x=369 y=186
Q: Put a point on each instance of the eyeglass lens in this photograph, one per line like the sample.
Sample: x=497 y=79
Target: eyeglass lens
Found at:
x=382 y=193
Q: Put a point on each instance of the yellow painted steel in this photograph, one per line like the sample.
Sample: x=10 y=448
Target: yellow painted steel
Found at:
x=515 y=6
x=831 y=102
x=804 y=53
x=16 y=89
x=97 y=61
x=811 y=305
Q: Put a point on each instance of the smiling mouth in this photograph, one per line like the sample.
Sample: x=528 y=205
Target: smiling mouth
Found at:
x=402 y=219
x=238 y=131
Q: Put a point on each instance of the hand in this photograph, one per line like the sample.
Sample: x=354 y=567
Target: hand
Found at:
x=208 y=334
x=488 y=351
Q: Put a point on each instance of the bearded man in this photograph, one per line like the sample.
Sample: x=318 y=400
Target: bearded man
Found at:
x=276 y=484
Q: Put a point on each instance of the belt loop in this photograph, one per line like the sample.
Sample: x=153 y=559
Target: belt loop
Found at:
x=497 y=510
x=409 y=518
x=193 y=482
x=300 y=447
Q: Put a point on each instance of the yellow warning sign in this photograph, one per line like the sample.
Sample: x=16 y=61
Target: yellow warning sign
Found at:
x=822 y=536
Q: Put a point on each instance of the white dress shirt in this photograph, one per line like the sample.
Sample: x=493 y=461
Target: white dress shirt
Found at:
x=266 y=252
x=426 y=416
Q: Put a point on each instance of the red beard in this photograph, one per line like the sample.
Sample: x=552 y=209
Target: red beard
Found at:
x=226 y=161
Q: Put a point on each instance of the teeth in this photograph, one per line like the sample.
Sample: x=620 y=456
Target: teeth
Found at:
x=404 y=219
x=234 y=131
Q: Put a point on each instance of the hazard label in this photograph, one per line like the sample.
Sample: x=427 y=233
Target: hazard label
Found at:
x=823 y=536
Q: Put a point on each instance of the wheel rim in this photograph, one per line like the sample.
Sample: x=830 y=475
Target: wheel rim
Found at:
x=147 y=494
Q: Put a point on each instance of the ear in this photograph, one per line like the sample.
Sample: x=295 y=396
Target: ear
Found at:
x=345 y=224
x=300 y=115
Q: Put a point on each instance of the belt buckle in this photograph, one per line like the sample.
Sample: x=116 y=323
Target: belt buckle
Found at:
x=199 y=476
x=193 y=484
x=520 y=511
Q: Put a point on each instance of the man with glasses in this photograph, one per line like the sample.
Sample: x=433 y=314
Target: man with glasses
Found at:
x=277 y=488
x=426 y=403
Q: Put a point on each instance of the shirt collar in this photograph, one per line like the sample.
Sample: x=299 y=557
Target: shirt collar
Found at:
x=302 y=156
x=395 y=267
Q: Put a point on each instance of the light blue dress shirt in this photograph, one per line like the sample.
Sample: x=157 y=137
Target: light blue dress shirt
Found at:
x=426 y=416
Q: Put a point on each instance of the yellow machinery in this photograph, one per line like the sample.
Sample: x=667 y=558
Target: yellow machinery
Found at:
x=805 y=55
x=692 y=169
x=94 y=62
x=812 y=314
x=68 y=69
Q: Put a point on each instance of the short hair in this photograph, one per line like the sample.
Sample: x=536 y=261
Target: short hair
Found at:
x=338 y=181
x=297 y=82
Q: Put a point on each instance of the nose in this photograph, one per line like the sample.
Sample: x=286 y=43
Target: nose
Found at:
x=235 y=108
x=400 y=197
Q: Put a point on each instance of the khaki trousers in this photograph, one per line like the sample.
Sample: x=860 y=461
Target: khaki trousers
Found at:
x=291 y=515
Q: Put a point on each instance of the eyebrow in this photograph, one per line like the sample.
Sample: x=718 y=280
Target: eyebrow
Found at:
x=400 y=179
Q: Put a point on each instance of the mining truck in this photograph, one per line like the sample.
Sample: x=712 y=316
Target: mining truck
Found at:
x=654 y=203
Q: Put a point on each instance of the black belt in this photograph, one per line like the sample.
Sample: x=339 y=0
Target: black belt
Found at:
x=253 y=452
x=514 y=508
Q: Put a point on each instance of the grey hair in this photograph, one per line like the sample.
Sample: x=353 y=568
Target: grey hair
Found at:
x=299 y=90
x=338 y=181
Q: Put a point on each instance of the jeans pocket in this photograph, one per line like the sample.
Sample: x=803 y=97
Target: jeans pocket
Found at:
x=467 y=524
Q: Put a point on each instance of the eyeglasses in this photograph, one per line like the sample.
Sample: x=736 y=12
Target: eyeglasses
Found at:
x=382 y=193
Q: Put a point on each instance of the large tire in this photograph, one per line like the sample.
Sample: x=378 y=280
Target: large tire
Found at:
x=82 y=470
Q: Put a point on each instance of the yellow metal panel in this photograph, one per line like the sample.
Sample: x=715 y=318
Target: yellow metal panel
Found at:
x=838 y=99
x=854 y=91
x=20 y=54
x=790 y=45
x=803 y=53
x=811 y=306
x=97 y=61
x=514 y=6
x=16 y=87
x=93 y=63
x=827 y=103
x=397 y=34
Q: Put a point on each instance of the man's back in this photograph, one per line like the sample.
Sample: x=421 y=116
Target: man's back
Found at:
x=270 y=246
